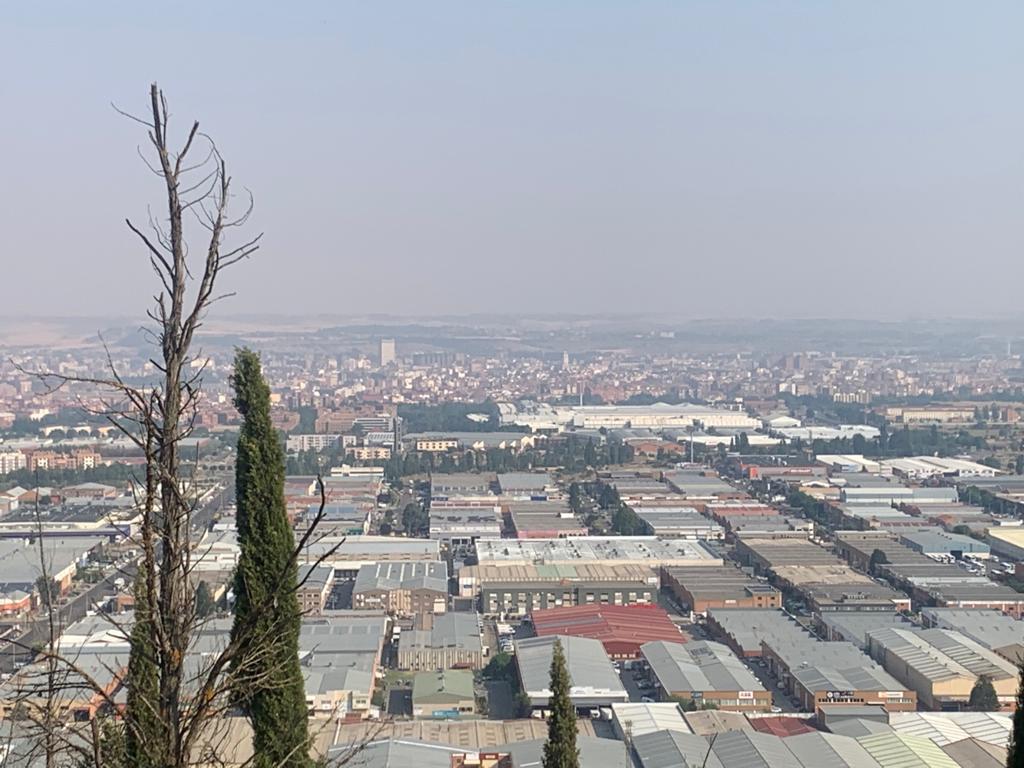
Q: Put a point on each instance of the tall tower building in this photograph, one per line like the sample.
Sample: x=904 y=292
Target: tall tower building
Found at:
x=387 y=352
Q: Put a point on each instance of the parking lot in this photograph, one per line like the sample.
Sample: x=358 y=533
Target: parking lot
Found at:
x=779 y=698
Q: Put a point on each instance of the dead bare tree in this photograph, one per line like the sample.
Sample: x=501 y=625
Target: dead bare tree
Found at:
x=191 y=698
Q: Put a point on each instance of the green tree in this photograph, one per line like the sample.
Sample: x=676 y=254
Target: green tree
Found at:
x=575 y=499
x=560 y=749
x=500 y=667
x=983 y=696
x=143 y=726
x=1015 y=755
x=205 y=604
x=878 y=557
x=272 y=689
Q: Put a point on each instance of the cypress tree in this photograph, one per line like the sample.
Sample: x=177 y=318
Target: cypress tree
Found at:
x=143 y=725
x=1015 y=756
x=272 y=687
x=560 y=749
x=983 y=696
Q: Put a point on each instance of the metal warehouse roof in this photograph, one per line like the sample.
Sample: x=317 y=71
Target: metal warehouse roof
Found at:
x=594 y=753
x=869 y=677
x=608 y=623
x=858 y=726
x=941 y=654
x=940 y=541
x=672 y=749
x=699 y=666
x=971 y=753
x=402 y=575
x=595 y=549
x=391 y=753
x=590 y=669
x=749 y=626
x=754 y=750
x=449 y=630
x=828 y=750
x=948 y=727
x=853 y=626
x=896 y=750
x=646 y=717
x=991 y=628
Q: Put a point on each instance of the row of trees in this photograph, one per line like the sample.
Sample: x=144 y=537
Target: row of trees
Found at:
x=622 y=519
x=572 y=455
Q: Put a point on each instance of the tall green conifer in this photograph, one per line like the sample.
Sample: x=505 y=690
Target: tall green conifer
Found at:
x=265 y=581
x=560 y=749
x=143 y=725
x=1015 y=757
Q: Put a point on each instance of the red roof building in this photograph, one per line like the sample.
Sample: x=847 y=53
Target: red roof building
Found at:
x=781 y=726
x=621 y=628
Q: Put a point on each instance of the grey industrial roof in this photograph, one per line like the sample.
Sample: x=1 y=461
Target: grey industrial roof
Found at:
x=781 y=552
x=858 y=726
x=967 y=591
x=698 y=666
x=739 y=749
x=949 y=727
x=457 y=481
x=829 y=750
x=971 y=753
x=19 y=565
x=588 y=664
x=990 y=627
x=315 y=576
x=646 y=717
x=523 y=481
x=941 y=654
x=350 y=673
x=675 y=518
x=674 y=749
x=424 y=574
x=691 y=483
x=725 y=582
x=869 y=677
x=897 y=750
x=754 y=750
x=392 y=753
x=853 y=626
x=342 y=633
x=940 y=541
x=356 y=548
x=749 y=626
x=594 y=753
x=449 y=630
x=607 y=549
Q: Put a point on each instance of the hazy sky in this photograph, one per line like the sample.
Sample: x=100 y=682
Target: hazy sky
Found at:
x=711 y=158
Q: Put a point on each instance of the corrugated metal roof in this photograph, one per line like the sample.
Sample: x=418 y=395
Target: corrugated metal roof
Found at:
x=896 y=750
x=828 y=750
x=699 y=666
x=948 y=727
x=588 y=664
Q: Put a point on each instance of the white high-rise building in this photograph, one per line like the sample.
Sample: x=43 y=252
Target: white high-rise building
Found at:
x=387 y=352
